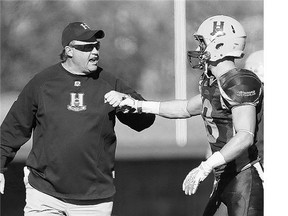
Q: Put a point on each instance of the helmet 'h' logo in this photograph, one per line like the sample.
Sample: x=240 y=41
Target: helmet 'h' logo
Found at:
x=217 y=27
x=76 y=102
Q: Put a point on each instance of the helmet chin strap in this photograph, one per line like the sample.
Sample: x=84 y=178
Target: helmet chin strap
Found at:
x=202 y=57
x=206 y=68
x=206 y=72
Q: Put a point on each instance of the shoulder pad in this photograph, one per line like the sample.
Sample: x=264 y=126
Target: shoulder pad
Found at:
x=240 y=87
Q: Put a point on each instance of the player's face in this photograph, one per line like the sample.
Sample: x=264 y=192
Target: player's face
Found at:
x=85 y=55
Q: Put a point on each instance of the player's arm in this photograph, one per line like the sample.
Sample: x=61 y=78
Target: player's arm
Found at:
x=173 y=109
x=181 y=108
x=168 y=109
x=242 y=99
x=244 y=122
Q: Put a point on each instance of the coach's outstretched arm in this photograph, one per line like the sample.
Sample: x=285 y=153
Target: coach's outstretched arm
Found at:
x=168 y=109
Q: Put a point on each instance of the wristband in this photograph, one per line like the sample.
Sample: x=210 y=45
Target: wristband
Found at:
x=246 y=131
x=150 y=107
x=135 y=102
x=138 y=105
x=215 y=160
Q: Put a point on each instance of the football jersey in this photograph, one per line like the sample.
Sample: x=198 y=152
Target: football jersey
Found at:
x=235 y=88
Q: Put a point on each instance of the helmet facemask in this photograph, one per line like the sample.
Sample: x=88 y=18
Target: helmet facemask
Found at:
x=200 y=53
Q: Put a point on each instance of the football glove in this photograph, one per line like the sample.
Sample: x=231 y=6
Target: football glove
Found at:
x=197 y=175
x=194 y=177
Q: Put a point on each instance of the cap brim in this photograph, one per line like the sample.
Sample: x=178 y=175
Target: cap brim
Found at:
x=98 y=34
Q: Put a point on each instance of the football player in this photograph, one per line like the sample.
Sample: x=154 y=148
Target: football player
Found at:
x=230 y=102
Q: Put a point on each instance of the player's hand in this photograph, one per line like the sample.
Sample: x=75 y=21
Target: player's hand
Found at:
x=194 y=177
x=128 y=104
x=2 y=183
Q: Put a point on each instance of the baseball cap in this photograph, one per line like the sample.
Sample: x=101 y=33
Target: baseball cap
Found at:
x=80 y=31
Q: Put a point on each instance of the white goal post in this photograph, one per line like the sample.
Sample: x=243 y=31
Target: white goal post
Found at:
x=180 y=65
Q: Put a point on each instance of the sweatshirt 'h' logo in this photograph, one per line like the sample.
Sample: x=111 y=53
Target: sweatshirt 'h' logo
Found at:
x=76 y=102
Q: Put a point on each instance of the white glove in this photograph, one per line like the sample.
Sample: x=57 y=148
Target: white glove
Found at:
x=198 y=174
x=194 y=178
x=2 y=183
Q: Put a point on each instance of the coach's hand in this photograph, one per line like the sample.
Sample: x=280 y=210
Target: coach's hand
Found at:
x=194 y=178
x=124 y=103
x=2 y=183
x=114 y=98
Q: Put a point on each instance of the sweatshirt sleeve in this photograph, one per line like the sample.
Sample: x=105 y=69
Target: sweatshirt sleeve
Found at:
x=16 y=129
x=135 y=121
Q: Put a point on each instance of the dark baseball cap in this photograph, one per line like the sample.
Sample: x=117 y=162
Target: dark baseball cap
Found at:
x=80 y=31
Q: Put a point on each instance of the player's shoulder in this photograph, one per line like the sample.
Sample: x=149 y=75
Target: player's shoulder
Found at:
x=239 y=76
x=240 y=86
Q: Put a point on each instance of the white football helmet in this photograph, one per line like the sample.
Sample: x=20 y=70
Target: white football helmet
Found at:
x=255 y=63
x=218 y=36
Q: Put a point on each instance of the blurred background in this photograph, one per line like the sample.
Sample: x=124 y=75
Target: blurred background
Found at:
x=138 y=48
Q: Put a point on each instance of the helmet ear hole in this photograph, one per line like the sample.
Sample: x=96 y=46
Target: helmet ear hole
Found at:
x=219 y=45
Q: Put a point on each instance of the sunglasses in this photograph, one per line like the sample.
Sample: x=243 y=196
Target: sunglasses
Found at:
x=87 y=47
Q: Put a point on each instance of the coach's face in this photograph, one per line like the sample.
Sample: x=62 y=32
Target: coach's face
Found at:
x=85 y=55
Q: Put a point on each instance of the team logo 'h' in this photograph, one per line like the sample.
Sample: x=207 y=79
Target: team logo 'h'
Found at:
x=217 y=27
x=85 y=26
x=76 y=102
